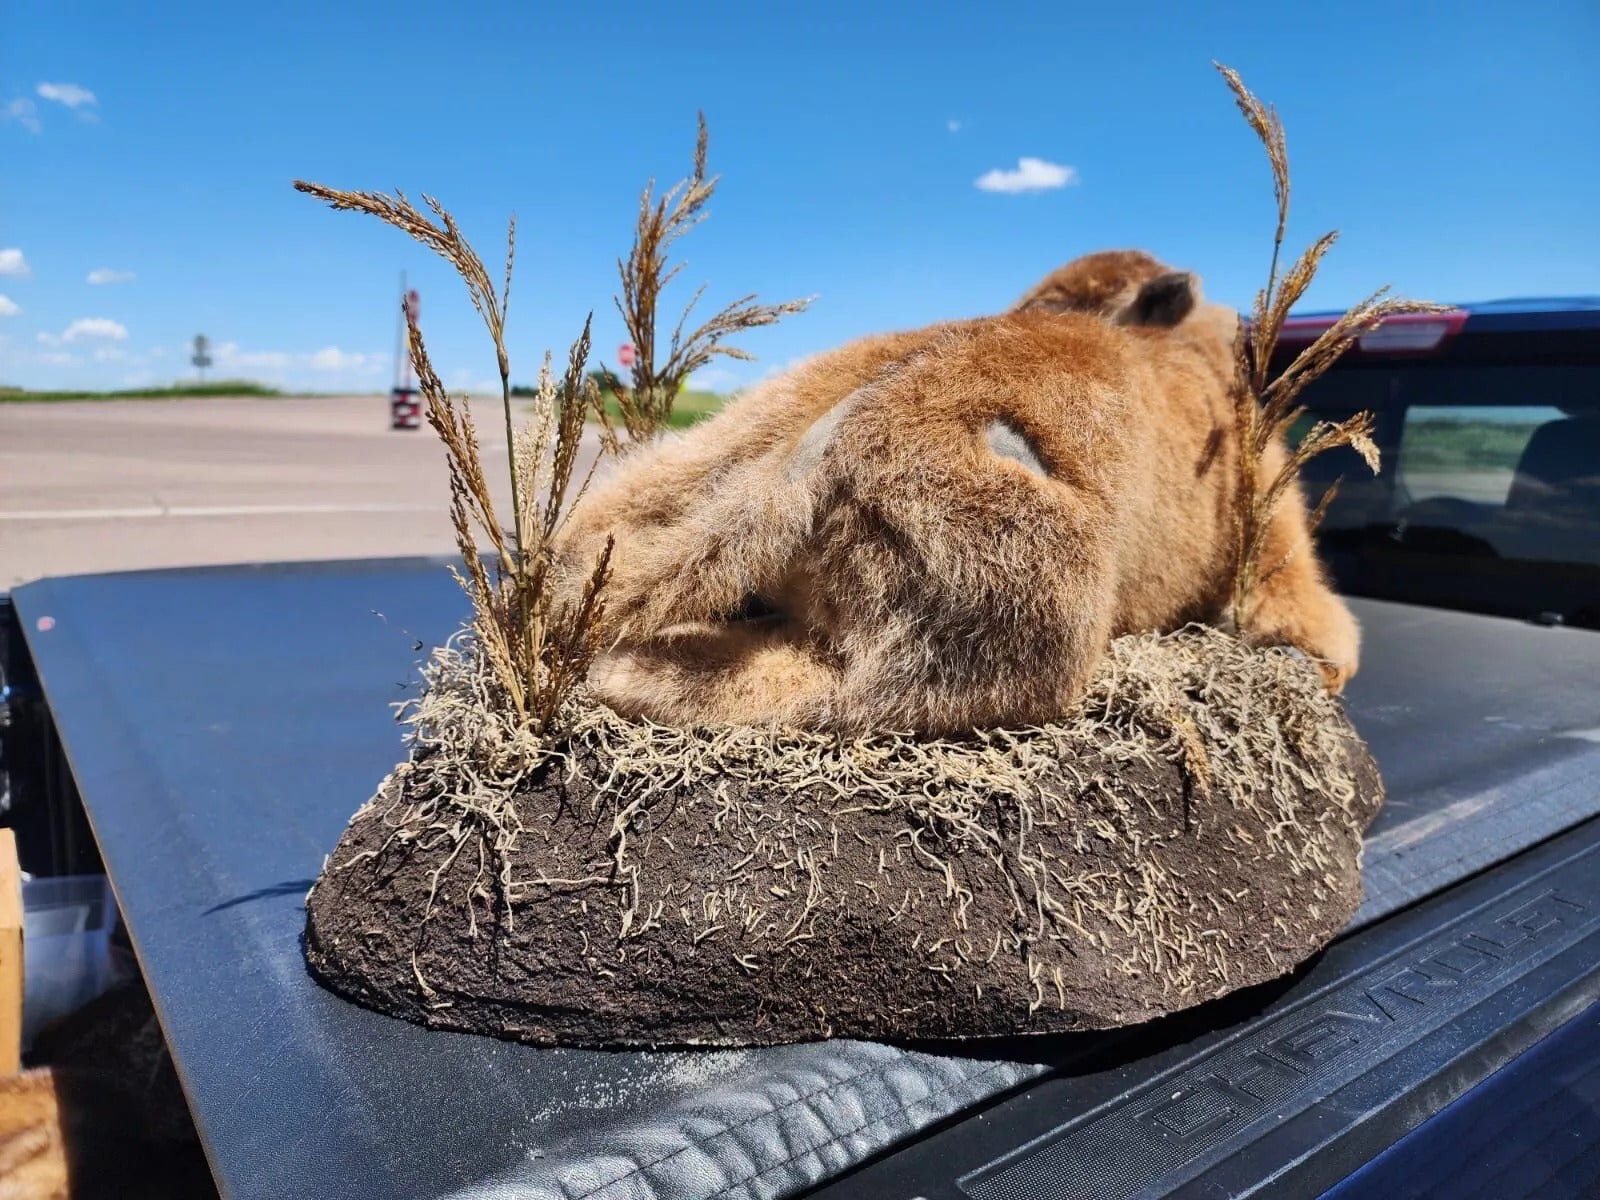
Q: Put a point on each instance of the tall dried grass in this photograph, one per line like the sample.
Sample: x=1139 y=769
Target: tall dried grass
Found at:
x=538 y=650
x=1265 y=404
x=646 y=402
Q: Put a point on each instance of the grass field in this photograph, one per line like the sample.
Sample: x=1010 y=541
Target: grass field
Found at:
x=1462 y=444
x=686 y=410
x=690 y=407
x=1454 y=443
x=176 y=391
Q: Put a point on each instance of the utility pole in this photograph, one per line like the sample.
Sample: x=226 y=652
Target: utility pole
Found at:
x=400 y=354
x=405 y=411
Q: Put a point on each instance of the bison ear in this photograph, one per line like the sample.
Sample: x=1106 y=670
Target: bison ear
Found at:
x=1165 y=300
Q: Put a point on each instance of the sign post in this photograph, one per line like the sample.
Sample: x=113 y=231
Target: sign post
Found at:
x=202 y=354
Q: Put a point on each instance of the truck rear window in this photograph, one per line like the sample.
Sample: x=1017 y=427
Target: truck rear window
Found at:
x=1489 y=495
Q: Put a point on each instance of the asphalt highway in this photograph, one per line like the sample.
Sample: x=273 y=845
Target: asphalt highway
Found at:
x=118 y=485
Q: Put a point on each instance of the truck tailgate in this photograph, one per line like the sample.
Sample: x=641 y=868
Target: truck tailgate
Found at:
x=223 y=724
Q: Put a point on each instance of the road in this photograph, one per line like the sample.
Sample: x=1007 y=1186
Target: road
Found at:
x=118 y=485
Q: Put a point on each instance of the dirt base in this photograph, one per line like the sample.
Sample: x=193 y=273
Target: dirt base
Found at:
x=737 y=913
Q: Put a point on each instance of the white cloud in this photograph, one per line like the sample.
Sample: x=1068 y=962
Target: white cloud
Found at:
x=228 y=355
x=8 y=306
x=12 y=262
x=23 y=111
x=1031 y=175
x=953 y=126
x=55 y=358
x=783 y=368
x=69 y=94
x=95 y=327
x=108 y=352
x=465 y=379
x=106 y=275
x=331 y=358
x=87 y=328
x=714 y=379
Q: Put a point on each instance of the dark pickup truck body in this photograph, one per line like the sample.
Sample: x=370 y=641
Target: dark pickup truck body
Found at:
x=207 y=733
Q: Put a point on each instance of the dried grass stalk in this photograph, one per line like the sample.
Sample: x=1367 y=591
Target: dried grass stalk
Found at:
x=1265 y=405
x=538 y=651
x=646 y=402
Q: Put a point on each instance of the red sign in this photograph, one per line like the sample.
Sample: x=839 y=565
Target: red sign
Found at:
x=626 y=354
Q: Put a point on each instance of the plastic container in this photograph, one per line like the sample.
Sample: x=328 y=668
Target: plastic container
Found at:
x=66 y=946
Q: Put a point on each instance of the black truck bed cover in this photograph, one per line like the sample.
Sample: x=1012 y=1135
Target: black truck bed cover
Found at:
x=223 y=724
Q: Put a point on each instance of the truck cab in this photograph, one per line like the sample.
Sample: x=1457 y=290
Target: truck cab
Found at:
x=1488 y=422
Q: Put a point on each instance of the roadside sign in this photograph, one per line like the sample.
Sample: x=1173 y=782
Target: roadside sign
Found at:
x=201 y=357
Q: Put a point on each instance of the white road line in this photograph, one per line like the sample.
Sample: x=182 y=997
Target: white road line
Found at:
x=143 y=512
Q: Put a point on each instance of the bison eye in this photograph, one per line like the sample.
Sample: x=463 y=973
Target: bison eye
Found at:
x=753 y=608
x=1007 y=441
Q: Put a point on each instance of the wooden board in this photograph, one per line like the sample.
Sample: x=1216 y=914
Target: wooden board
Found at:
x=10 y=956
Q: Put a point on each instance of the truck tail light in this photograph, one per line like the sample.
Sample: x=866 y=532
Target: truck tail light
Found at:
x=1408 y=333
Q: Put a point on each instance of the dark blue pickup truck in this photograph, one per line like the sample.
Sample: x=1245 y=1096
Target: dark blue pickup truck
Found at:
x=1489 y=496
x=1448 y=1044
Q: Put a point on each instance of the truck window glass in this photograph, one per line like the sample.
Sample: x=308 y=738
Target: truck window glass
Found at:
x=1488 y=499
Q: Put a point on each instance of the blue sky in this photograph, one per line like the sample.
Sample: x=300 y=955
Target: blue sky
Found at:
x=151 y=146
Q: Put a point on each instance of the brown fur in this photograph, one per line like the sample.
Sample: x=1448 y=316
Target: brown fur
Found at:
x=946 y=526
x=78 y=1134
x=33 y=1154
x=1126 y=286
